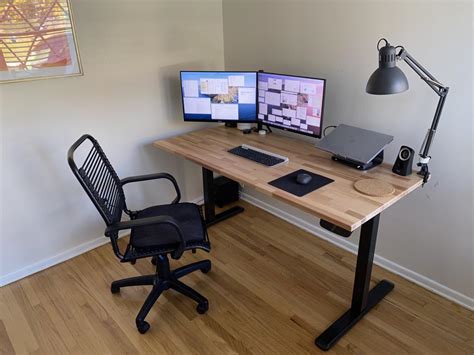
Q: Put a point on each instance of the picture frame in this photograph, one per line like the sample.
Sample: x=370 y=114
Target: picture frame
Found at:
x=37 y=40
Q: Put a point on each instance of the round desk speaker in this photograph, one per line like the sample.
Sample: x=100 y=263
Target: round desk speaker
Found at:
x=404 y=161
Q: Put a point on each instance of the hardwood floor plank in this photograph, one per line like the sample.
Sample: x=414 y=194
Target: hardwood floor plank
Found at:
x=272 y=289
x=6 y=346
x=16 y=324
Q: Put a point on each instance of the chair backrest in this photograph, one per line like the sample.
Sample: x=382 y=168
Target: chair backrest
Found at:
x=99 y=180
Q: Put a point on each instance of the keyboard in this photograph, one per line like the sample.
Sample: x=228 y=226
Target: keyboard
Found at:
x=258 y=155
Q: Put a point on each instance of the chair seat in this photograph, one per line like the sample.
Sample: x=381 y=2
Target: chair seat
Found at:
x=189 y=219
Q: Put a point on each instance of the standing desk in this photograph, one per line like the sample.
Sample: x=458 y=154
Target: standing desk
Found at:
x=338 y=203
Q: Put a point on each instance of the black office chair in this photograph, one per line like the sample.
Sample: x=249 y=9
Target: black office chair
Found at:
x=155 y=231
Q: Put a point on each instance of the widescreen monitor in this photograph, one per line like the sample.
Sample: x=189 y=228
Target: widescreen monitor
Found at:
x=219 y=96
x=293 y=103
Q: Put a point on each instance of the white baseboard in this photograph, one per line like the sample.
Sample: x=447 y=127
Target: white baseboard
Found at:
x=410 y=275
x=62 y=256
x=51 y=261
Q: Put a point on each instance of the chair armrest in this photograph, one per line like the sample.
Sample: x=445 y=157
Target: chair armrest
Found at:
x=154 y=177
x=143 y=222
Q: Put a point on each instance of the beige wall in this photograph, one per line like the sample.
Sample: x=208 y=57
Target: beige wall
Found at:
x=431 y=231
x=132 y=51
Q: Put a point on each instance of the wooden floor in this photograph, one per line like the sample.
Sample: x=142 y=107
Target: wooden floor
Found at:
x=272 y=289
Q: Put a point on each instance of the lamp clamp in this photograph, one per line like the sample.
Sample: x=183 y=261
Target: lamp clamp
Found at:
x=424 y=172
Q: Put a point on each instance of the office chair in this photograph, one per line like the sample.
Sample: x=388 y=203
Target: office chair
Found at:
x=156 y=231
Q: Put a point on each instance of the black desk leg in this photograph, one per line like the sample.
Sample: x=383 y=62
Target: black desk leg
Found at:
x=363 y=300
x=209 y=205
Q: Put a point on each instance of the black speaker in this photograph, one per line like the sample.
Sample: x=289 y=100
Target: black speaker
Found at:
x=404 y=161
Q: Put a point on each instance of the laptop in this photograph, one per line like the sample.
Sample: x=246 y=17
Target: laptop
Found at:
x=353 y=143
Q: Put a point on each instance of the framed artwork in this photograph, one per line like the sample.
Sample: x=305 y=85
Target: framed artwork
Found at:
x=37 y=40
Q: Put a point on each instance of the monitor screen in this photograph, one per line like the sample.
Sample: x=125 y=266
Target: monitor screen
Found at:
x=293 y=103
x=219 y=96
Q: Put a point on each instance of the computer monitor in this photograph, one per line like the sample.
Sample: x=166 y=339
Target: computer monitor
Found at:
x=214 y=96
x=293 y=103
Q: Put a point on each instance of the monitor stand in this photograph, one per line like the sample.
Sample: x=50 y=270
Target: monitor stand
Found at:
x=260 y=127
x=358 y=165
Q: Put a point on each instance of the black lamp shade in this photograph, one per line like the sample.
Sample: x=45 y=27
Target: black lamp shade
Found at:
x=387 y=79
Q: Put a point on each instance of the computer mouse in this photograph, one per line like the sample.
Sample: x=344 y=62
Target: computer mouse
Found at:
x=303 y=178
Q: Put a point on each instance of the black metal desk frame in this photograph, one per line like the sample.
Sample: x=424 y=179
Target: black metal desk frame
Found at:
x=363 y=299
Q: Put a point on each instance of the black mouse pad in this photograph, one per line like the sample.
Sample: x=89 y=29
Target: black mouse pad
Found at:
x=288 y=183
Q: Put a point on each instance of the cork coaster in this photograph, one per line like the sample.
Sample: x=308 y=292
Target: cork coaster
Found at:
x=374 y=187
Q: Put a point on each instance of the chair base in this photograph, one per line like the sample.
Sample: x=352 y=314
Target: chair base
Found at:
x=163 y=280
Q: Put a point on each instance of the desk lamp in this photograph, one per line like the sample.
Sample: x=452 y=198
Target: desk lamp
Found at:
x=388 y=79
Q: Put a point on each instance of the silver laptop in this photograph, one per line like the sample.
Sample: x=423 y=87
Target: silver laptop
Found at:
x=357 y=144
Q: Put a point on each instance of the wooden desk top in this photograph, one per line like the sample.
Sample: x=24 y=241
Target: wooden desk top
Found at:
x=338 y=202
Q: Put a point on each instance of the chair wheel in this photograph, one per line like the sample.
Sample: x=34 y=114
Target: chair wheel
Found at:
x=143 y=326
x=207 y=269
x=202 y=307
x=114 y=289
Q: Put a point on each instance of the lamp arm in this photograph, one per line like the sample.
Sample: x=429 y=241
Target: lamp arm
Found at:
x=442 y=91
x=424 y=74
